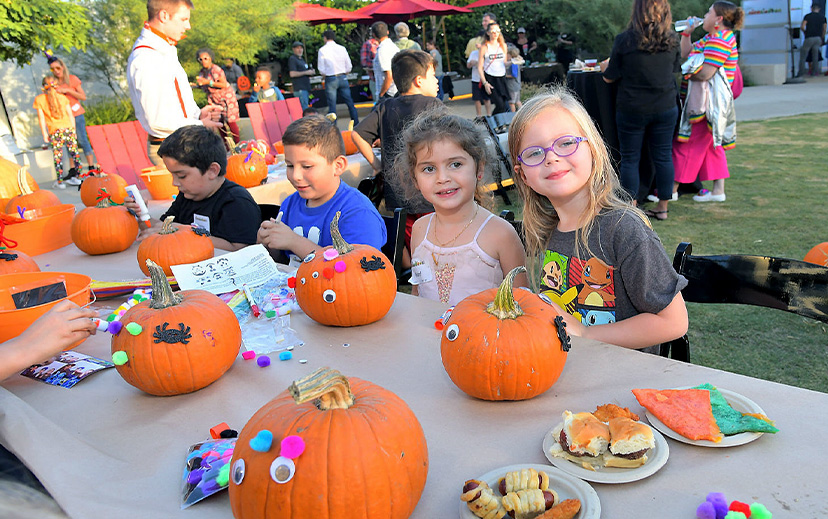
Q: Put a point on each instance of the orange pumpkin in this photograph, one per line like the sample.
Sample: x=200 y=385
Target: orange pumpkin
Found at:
x=502 y=344
x=9 y=185
x=112 y=183
x=13 y=261
x=818 y=255
x=247 y=169
x=365 y=454
x=104 y=229
x=174 y=245
x=186 y=340
x=356 y=287
x=350 y=147
x=29 y=198
x=279 y=147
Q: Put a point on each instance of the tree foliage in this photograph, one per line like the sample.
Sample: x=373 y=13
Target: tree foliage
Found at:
x=31 y=26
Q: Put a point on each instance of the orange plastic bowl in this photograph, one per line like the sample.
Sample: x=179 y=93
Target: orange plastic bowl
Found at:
x=159 y=183
x=45 y=230
x=14 y=321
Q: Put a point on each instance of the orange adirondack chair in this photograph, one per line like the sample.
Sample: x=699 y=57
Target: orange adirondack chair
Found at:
x=270 y=120
x=121 y=148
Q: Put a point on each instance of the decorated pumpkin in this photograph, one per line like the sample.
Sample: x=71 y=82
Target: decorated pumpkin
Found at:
x=174 y=245
x=329 y=447
x=345 y=285
x=105 y=228
x=818 y=255
x=247 y=169
x=502 y=344
x=114 y=184
x=12 y=261
x=30 y=198
x=178 y=343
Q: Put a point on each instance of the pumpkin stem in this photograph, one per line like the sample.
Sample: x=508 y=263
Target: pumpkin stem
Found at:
x=328 y=387
x=167 y=226
x=22 y=182
x=339 y=243
x=104 y=199
x=504 y=305
x=162 y=294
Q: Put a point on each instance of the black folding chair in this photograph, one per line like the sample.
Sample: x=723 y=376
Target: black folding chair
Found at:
x=509 y=216
x=785 y=284
x=497 y=125
x=395 y=245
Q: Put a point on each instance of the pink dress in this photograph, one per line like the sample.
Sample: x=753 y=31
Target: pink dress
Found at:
x=697 y=157
x=450 y=274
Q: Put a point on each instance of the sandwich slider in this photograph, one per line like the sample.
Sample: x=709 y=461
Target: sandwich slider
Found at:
x=629 y=444
x=583 y=435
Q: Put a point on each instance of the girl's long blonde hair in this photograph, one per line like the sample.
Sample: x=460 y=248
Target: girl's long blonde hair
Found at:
x=52 y=97
x=539 y=215
x=66 y=75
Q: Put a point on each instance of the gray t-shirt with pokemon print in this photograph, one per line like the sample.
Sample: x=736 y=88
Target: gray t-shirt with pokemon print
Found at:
x=626 y=271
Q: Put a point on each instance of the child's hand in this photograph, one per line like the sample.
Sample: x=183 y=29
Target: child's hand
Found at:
x=62 y=326
x=273 y=234
x=132 y=205
x=573 y=325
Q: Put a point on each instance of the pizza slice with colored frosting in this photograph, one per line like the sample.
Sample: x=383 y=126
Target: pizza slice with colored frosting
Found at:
x=686 y=411
x=731 y=421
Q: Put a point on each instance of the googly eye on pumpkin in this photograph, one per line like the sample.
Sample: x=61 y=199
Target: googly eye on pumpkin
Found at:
x=452 y=332
x=545 y=298
x=309 y=257
x=329 y=296
x=282 y=469
x=238 y=471
x=315 y=275
x=302 y=281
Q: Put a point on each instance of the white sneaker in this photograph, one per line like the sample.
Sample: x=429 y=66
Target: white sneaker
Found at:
x=708 y=196
x=58 y=185
x=654 y=199
x=74 y=181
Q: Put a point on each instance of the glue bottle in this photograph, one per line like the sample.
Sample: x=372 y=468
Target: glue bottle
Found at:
x=135 y=193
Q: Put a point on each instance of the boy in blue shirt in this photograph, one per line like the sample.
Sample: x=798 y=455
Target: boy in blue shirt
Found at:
x=315 y=160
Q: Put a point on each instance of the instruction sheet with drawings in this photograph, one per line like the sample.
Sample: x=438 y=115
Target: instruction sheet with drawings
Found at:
x=251 y=265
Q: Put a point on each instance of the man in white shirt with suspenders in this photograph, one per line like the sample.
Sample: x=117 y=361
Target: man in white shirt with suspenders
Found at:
x=158 y=86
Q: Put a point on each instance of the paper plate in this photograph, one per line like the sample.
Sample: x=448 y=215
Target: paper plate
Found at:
x=566 y=486
x=738 y=402
x=656 y=458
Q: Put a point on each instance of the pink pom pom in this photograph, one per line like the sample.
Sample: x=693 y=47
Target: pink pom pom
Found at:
x=340 y=266
x=292 y=447
x=247 y=355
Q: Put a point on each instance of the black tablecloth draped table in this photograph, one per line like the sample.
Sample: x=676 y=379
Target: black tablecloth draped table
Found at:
x=543 y=74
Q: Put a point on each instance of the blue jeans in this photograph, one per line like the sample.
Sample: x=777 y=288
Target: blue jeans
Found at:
x=657 y=131
x=303 y=97
x=440 y=92
x=339 y=85
x=83 y=139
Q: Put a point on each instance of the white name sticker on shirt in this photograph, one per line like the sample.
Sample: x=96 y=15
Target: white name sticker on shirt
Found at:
x=76 y=107
x=202 y=222
x=420 y=272
x=269 y=92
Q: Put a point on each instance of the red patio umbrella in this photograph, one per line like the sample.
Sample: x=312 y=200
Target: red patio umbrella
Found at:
x=315 y=14
x=397 y=10
x=483 y=3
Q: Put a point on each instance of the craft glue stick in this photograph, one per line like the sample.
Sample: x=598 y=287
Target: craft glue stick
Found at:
x=135 y=193
x=250 y=300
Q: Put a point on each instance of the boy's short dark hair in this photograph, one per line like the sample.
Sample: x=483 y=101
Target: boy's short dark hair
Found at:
x=379 y=29
x=407 y=65
x=309 y=111
x=329 y=35
x=195 y=146
x=316 y=133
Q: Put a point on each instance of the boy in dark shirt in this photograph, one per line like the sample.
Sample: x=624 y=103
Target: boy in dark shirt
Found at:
x=413 y=72
x=197 y=160
x=300 y=74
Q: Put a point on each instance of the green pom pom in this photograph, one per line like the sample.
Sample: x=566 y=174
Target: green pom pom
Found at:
x=111 y=317
x=759 y=511
x=134 y=328
x=223 y=477
x=735 y=515
x=252 y=168
x=119 y=358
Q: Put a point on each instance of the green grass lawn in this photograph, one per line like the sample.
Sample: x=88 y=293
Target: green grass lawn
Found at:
x=776 y=206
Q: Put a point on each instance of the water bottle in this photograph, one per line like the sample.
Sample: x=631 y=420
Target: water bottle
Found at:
x=683 y=25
